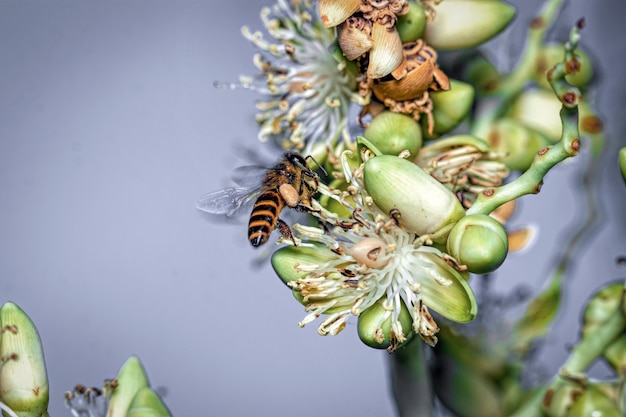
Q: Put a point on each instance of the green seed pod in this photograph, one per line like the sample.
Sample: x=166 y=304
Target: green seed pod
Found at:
x=425 y=206
x=463 y=24
x=479 y=242
x=131 y=378
x=374 y=327
x=622 y=162
x=23 y=378
x=449 y=108
x=147 y=404
x=553 y=54
x=411 y=26
x=392 y=133
x=593 y=402
x=519 y=143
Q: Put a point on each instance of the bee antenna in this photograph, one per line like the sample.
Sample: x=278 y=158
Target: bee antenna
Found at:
x=318 y=165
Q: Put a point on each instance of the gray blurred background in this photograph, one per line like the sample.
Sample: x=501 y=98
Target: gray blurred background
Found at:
x=110 y=130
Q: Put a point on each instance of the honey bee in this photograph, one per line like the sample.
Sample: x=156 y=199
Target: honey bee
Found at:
x=289 y=183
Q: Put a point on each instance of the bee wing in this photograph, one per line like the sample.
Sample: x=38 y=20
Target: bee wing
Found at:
x=249 y=175
x=230 y=201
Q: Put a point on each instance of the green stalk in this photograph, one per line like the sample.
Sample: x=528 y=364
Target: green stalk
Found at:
x=531 y=180
x=511 y=85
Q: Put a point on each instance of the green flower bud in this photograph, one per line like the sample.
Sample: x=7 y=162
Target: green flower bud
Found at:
x=593 y=402
x=375 y=327
x=622 y=162
x=558 y=399
x=519 y=143
x=425 y=206
x=411 y=26
x=286 y=261
x=462 y=24
x=553 y=54
x=23 y=378
x=479 y=242
x=449 y=108
x=601 y=307
x=131 y=378
x=392 y=133
x=147 y=404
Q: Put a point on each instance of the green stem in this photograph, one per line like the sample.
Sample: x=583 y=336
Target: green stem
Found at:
x=512 y=85
x=410 y=380
x=531 y=180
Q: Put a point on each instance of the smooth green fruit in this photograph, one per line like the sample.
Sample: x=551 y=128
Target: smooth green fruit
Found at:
x=479 y=242
x=411 y=26
x=392 y=133
x=450 y=108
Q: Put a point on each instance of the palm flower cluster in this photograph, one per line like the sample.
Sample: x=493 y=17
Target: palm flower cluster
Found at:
x=411 y=202
x=403 y=223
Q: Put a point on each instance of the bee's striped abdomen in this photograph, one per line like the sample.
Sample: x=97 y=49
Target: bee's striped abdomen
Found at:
x=264 y=217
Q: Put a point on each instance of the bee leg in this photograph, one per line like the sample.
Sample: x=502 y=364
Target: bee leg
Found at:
x=303 y=208
x=285 y=231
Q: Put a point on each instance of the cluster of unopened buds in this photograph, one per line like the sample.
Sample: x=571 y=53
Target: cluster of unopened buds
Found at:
x=24 y=388
x=403 y=214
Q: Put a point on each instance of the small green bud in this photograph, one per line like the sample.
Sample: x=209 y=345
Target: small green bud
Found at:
x=465 y=24
x=622 y=162
x=375 y=329
x=450 y=107
x=147 y=403
x=131 y=378
x=602 y=305
x=553 y=54
x=392 y=133
x=23 y=378
x=479 y=242
x=425 y=206
x=558 y=399
x=593 y=402
x=519 y=143
x=411 y=26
